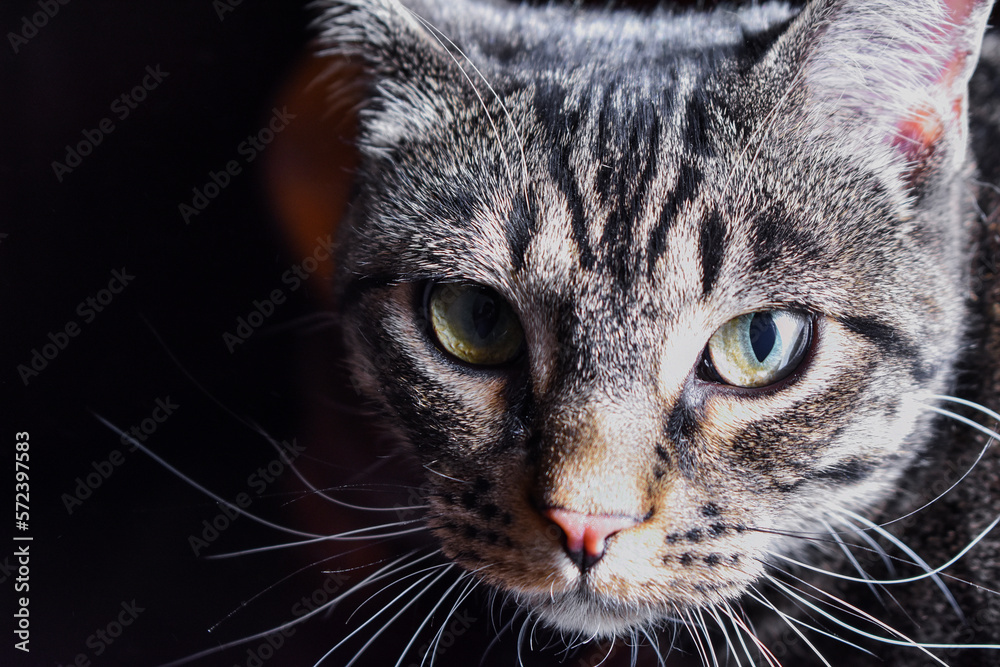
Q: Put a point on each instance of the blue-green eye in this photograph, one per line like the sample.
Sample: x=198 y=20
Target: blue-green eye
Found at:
x=758 y=349
x=474 y=323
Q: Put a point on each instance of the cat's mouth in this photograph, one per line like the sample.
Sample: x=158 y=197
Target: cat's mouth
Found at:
x=647 y=572
x=618 y=596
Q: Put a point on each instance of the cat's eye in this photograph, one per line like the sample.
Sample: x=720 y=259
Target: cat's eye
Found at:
x=759 y=349
x=474 y=323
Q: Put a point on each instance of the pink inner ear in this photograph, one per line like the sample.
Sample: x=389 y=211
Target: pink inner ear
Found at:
x=959 y=11
x=919 y=131
x=958 y=14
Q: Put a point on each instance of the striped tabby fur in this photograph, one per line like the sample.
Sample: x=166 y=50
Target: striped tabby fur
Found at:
x=630 y=183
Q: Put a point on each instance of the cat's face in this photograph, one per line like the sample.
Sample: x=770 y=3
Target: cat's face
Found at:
x=645 y=323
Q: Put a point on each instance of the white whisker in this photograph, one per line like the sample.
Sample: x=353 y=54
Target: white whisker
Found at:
x=444 y=570
x=854 y=561
x=392 y=620
x=471 y=586
x=912 y=554
x=730 y=648
x=439 y=37
x=196 y=485
x=793 y=624
x=692 y=627
x=375 y=576
x=903 y=641
x=906 y=580
x=499 y=633
x=322 y=494
x=970 y=404
x=339 y=554
x=876 y=548
x=762 y=599
x=398 y=581
x=348 y=536
x=651 y=638
x=520 y=640
x=741 y=624
x=611 y=648
x=433 y=647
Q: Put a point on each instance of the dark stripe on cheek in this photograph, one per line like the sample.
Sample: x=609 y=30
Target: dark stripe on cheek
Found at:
x=850 y=471
x=887 y=338
x=405 y=387
x=679 y=430
x=712 y=246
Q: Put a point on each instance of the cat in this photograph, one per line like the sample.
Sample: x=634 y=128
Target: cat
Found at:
x=672 y=310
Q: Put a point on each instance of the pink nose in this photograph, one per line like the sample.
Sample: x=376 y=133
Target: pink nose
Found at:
x=585 y=534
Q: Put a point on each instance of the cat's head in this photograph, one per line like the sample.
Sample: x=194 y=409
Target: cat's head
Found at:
x=647 y=295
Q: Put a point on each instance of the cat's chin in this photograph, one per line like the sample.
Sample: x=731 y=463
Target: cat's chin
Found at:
x=587 y=616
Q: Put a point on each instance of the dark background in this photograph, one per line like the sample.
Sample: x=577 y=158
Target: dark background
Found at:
x=119 y=209
x=159 y=338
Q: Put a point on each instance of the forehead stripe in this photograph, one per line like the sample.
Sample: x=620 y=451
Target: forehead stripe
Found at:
x=712 y=247
x=689 y=179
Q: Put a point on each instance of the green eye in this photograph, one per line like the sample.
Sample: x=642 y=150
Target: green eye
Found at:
x=474 y=323
x=758 y=349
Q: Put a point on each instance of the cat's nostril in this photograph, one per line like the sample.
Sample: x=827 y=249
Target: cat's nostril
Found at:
x=585 y=534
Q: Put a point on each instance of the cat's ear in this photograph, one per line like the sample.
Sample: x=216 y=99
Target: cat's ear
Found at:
x=405 y=60
x=309 y=168
x=363 y=47
x=892 y=75
x=388 y=36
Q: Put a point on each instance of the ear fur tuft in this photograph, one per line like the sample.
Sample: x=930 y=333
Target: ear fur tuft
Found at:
x=895 y=74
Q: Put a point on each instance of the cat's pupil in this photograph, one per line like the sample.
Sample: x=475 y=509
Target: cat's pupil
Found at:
x=763 y=335
x=484 y=315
